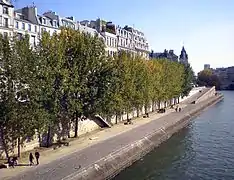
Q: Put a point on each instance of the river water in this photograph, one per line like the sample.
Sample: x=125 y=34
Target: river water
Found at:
x=202 y=151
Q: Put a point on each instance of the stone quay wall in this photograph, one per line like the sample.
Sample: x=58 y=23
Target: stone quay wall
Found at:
x=89 y=125
x=114 y=163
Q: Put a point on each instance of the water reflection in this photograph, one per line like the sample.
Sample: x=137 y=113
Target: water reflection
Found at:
x=203 y=150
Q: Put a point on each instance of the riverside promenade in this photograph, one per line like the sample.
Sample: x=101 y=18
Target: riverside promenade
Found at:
x=68 y=162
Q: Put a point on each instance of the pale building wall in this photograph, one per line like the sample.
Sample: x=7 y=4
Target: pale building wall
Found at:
x=10 y=18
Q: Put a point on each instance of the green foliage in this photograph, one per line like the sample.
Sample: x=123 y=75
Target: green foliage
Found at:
x=68 y=77
x=207 y=78
x=189 y=80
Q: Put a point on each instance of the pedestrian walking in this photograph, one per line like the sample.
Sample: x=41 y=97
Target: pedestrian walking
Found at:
x=31 y=158
x=37 y=156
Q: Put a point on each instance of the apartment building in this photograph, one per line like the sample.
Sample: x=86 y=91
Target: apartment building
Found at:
x=83 y=26
x=6 y=17
x=170 y=55
x=118 y=39
x=107 y=31
x=125 y=40
x=139 y=41
x=48 y=23
x=132 y=40
x=27 y=21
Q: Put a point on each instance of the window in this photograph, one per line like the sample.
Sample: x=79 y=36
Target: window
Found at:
x=55 y=23
x=107 y=41
x=5 y=34
x=29 y=27
x=43 y=29
x=5 y=23
x=17 y=25
x=23 y=25
x=33 y=40
x=44 y=21
x=5 y=10
x=35 y=28
x=20 y=36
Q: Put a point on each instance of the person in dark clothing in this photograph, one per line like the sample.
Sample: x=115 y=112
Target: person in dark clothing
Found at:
x=31 y=158
x=37 y=155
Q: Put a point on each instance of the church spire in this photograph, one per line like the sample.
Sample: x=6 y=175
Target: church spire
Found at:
x=183 y=56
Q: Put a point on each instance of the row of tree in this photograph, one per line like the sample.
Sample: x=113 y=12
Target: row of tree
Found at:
x=68 y=77
x=208 y=78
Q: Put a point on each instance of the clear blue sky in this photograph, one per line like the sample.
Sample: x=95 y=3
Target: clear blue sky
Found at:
x=205 y=26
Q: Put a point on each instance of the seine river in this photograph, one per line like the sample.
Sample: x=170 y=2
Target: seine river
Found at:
x=202 y=151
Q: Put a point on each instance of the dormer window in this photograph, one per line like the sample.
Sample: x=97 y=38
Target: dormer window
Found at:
x=55 y=23
x=43 y=20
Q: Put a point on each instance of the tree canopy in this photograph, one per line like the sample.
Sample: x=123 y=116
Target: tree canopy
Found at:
x=68 y=77
x=207 y=78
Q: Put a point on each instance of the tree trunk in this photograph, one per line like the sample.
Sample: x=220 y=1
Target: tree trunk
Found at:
x=116 y=119
x=138 y=112
x=39 y=138
x=69 y=129
x=76 y=125
x=159 y=105
x=145 y=109
x=153 y=106
x=4 y=144
x=48 y=137
x=19 y=148
x=127 y=115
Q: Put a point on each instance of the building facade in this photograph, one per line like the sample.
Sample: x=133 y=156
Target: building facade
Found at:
x=226 y=77
x=165 y=55
x=133 y=41
x=206 y=66
x=120 y=39
x=6 y=18
x=27 y=21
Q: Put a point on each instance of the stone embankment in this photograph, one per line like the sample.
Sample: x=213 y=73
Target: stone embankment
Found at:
x=112 y=164
x=108 y=157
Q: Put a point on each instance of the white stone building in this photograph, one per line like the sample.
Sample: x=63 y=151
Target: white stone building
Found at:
x=47 y=24
x=68 y=22
x=6 y=17
x=23 y=26
x=133 y=41
x=139 y=42
x=111 y=43
x=125 y=40
x=108 y=34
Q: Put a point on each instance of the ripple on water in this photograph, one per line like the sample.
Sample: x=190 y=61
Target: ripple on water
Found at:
x=203 y=151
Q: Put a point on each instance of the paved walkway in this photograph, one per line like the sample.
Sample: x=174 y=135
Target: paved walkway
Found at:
x=66 y=161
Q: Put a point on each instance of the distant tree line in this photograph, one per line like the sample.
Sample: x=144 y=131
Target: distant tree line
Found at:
x=69 y=77
x=208 y=78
